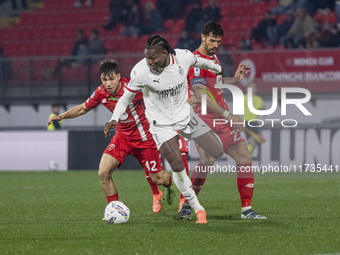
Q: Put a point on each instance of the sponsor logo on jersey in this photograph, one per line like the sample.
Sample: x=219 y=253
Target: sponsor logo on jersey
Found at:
x=111 y=147
x=112 y=98
x=124 y=116
x=156 y=80
x=174 y=91
x=197 y=72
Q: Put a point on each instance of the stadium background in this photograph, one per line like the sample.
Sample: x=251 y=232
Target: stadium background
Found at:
x=37 y=40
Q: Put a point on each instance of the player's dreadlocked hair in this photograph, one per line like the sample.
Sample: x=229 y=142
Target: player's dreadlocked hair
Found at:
x=213 y=27
x=157 y=41
x=108 y=66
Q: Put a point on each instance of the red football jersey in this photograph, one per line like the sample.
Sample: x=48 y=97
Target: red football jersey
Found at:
x=202 y=76
x=133 y=124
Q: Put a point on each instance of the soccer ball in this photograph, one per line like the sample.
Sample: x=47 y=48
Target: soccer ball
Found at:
x=53 y=166
x=116 y=212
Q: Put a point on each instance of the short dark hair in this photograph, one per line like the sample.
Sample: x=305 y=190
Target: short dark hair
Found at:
x=108 y=66
x=157 y=41
x=214 y=28
x=56 y=105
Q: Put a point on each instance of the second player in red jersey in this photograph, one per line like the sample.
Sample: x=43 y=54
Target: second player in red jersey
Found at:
x=132 y=136
x=203 y=82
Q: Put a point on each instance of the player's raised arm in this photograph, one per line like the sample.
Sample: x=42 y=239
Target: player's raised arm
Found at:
x=241 y=71
x=70 y=114
x=207 y=64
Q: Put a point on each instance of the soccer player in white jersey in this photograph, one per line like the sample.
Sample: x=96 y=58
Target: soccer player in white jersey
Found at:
x=161 y=75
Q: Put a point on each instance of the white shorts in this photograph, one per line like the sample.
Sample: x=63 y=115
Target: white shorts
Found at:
x=195 y=128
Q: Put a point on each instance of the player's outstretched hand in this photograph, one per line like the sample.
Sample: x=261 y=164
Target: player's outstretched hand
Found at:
x=57 y=117
x=109 y=125
x=193 y=100
x=236 y=122
x=241 y=71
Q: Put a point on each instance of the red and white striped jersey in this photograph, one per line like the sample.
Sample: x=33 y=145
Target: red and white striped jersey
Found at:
x=132 y=125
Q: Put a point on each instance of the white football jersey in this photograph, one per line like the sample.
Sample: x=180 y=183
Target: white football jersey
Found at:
x=165 y=93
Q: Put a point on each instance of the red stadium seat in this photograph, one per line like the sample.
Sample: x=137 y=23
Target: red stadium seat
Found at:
x=74 y=74
x=226 y=10
x=259 y=8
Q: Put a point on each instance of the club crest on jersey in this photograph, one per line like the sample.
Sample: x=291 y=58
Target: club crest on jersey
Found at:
x=181 y=71
x=104 y=101
x=124 y=116
x=111 y=147
x=197 y=72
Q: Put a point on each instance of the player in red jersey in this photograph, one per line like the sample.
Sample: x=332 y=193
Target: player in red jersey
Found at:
x=132 y=136
x=203 y=81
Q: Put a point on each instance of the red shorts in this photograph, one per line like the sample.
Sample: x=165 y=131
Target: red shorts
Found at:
x=145 y=151
x=227 y=135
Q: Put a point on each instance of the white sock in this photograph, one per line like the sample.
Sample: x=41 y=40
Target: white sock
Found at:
x=245 y=208
x=183 y=183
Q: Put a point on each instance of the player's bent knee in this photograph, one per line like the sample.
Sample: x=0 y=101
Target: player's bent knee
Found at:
x=104 y=175
x=157 y=178
x=208 y=161
x=216 y=153
x=177 y=166
x=244 y=158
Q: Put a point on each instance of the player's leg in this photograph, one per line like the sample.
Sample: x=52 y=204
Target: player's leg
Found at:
x=210 y=143
x=185 y=161
x=153 y=186
x=183 y=147
x=106 y=167
x=172 y=154
x=245 y=178
x=150 y=159
x=113 y=156
x=201 y=171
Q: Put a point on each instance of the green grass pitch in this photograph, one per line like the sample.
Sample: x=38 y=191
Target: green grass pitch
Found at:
x=61 y=213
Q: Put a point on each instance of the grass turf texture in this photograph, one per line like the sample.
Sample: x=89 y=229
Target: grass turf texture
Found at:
x=61 y=213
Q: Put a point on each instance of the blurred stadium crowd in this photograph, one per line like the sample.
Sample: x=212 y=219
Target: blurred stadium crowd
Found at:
x=248 y=24
x=56 y=40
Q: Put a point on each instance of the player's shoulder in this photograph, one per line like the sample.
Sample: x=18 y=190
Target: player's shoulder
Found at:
x=140 y=68
x=124 y=81
x=183 y=53
x=100 y=90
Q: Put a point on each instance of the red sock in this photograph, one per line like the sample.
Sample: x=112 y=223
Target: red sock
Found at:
x=198 y=177
x=185 y=160
x=114 y=197
x=245 y=183
x=153 y=186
